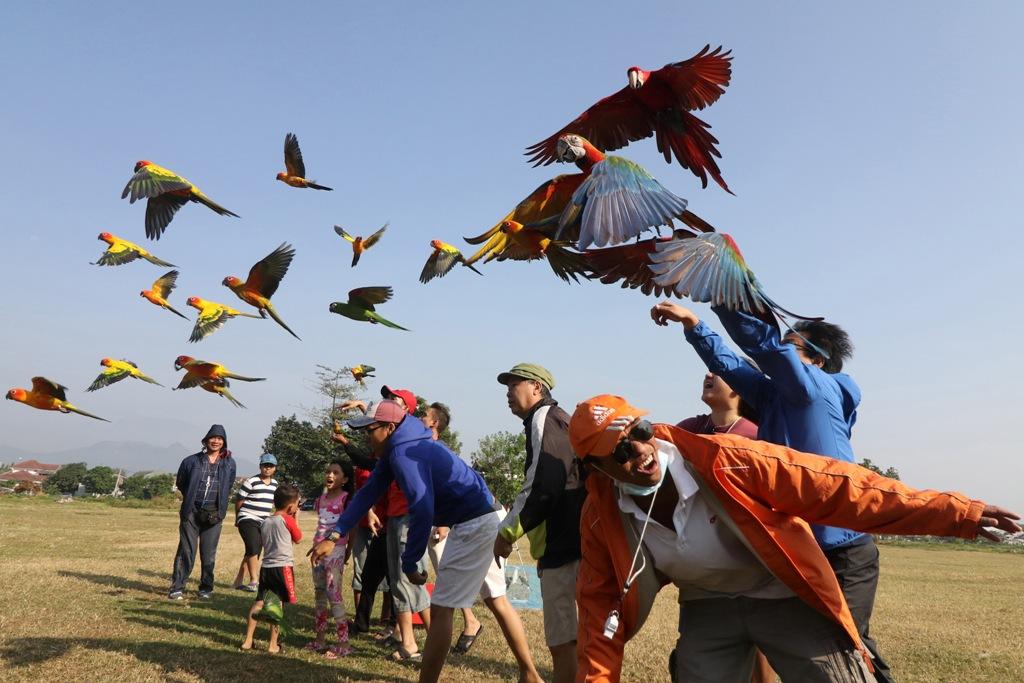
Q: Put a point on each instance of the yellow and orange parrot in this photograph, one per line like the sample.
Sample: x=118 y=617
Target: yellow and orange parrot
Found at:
x=117 y=370
x=442 y=260
x=359 y=245
x=47 y=395
x=264 y=277
x=212 y=317
x=122 y=251
x=361 y=372
x=167 y=192
x=220 y=386
x=526 y=244
x=198 y=372
x=162 y=288
x=295 y=175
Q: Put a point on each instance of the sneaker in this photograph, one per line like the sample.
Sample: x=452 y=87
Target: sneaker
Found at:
x=205 y=595
x=252 y=588
x=176 y=595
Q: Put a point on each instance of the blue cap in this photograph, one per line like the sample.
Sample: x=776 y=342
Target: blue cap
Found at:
x=268 y=458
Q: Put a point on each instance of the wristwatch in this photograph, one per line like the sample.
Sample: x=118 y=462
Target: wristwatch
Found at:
x=333 y=536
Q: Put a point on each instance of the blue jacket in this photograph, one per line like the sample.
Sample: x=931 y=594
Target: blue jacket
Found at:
x=798 y=405
x=441 y=488
x=190 y=478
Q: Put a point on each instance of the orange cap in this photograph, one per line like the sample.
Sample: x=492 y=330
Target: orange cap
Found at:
x=598 y=422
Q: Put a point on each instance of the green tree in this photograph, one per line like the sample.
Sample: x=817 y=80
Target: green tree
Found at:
x=500 y=459
x=890 y=472
x=100 y=479
x=145 y=486
x=303 y=451
x=66 y=479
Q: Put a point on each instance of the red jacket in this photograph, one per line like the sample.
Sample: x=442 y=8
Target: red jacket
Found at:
x=769 y=494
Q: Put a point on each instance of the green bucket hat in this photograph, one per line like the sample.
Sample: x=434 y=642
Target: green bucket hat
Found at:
x=528 y=371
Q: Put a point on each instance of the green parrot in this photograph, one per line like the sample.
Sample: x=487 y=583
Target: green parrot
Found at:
x=360 y=305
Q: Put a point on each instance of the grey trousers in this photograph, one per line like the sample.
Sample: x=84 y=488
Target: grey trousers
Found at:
x=193 y=536
x=801 y=645
x=408 y=597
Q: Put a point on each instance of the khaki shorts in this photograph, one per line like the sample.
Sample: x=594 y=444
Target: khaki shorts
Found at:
x=467 y=567
x=558 y=590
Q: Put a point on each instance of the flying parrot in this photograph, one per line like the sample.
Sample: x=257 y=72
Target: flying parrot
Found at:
x=47 y=395
x=359 y=245
x=220 y=386
x=527 y=244
x=361 y=372
x=212 y=317
x=122 y=251
x=360 y=305
x=264 y=277
x=162 y=288
x=657 y=103
x=442 y=260
x=295 y=175
x=199 y=372
x=709 y=268
x=117 y=370
x=167 y=192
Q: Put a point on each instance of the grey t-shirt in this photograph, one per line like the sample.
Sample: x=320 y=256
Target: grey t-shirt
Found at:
x=278 y=532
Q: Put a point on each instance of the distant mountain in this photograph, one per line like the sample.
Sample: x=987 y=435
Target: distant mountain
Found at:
x=131 y=456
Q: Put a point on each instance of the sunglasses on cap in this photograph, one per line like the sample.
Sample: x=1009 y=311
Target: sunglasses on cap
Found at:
x=641 y=431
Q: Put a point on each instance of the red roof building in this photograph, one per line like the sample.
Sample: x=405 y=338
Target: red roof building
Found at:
x=34 y=466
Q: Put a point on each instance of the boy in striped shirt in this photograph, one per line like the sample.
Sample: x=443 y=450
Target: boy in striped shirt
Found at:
x=253 y=504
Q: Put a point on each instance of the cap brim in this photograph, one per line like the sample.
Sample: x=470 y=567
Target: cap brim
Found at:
x=504 y=377
x=386 y=391
x=607 y=439
x=360 y=422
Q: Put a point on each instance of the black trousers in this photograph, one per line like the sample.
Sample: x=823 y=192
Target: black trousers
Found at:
x=375 y=570
x=856 y=568
x=193 y=536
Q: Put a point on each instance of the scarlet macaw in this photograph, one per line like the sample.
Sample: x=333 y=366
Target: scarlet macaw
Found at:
x=657 y=103
x=122 y=251
x=295 y=174
x=212 y=317
x=264 y=277
x=360 y=305
x=442 y=260
x=359 y=245
x=167 y=192
x=47 y=395
x=162 y=288
x=198 y=372
x=117 y=370
x=361 y=372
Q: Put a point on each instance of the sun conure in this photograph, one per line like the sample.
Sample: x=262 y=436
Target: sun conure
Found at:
x=47 y=395
x=359 y=245
x=162 y=288
x=198 y=372
x=442 y=260
x=295 y=169
x=122 y=251
x=212 y=317
x=361 y=372
x=264 y=277
x=167 y=192
x=117 y=370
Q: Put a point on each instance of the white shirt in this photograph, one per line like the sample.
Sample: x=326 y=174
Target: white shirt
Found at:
x=702 y=555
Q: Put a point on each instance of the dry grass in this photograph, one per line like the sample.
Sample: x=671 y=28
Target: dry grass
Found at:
x=85 y=585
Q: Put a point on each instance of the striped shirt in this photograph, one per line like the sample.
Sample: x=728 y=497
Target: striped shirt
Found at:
x=257 y=499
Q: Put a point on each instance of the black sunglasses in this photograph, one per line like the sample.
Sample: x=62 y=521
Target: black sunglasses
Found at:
x=642 y=431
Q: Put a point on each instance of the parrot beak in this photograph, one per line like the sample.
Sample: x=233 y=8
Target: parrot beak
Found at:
x=332 y=308
x=568 y=153
x=636 y=79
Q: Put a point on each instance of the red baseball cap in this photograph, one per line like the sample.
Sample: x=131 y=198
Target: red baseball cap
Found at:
x=598 y=422
x=384 y=411
x=407 y=396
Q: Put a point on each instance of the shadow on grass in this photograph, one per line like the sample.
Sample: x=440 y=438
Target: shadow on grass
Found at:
x=206 y=664
x=113 y=581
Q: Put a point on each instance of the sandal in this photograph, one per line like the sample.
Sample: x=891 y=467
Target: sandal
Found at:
x=403 y=655
x=314 y=646
x=466 y=641
x=337 y=651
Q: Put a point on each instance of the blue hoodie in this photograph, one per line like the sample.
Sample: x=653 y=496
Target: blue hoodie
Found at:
x=441 y=488
x=798 y=405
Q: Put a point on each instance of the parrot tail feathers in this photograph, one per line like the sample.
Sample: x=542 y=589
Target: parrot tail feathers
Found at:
x=73 y=409
x=277 y=319
x=158 y=262
x=214 y=206
x=251 y=315
x=243 y=378
x=470 y=266
x=175 y=312
x=227 y=394
x=319 y=187
x=147 y=378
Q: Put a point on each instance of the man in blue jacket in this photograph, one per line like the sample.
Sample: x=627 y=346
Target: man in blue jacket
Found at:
x=442 y=490
x=803 y=401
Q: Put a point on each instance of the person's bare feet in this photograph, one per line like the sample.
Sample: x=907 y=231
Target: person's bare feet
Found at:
x=274 y=650
x=246 y=645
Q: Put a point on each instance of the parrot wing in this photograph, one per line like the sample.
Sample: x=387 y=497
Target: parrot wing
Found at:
x=117 y=254
x=367 y=369
x=293 y=156
x=549 y=199
x=46 y=387
x=629 y=263
x=699 y=81
x=619 y=200
x=159 y=213
x=567 y=263
x=152 y=181
x=367 y=297
x=438 y=265
x=341 y=233
x=191 y=380
x=375 y=237
x=107 y=377
x=266 y=275
x=165 y=284
x=209 y=321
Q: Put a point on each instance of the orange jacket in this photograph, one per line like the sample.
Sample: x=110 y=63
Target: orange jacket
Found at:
x=770 y=495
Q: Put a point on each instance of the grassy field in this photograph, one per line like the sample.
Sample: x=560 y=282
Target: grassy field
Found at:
x=84 y=589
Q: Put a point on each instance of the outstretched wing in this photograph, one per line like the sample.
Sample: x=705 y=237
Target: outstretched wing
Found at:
x=106 y=378
x=375 y=237
x=341 y=232
x=165 y=284
x=293 y=156
x=191 y=380
x=209 y=321
x=699 y=81
x=546 y=201
x=152 y=181
x=438 y=265
x=629 y=263
x=368 y=297
x=159 y=213
x=117 y=254
x=46 y=387
x=619 y=200
x=266 y=275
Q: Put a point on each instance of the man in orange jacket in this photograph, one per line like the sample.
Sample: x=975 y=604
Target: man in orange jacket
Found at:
x=731 y=528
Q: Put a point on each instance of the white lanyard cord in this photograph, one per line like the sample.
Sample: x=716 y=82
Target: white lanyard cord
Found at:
x=630 y=575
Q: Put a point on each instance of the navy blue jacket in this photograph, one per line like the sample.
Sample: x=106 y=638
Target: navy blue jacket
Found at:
x=441 y=488
x=798 y=405
x=190 y=478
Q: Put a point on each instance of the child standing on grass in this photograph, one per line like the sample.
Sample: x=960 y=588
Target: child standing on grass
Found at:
x=278 y=532
x=327 y=574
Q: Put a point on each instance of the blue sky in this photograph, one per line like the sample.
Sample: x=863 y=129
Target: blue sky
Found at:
x=875 y=151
